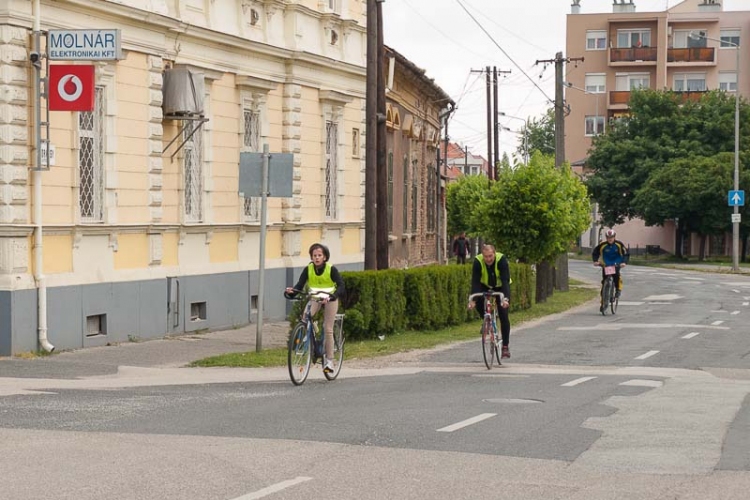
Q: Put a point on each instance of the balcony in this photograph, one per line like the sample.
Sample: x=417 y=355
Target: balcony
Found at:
x=691 y=95
x=619 y=98
x=704 y=55
x=632 y=55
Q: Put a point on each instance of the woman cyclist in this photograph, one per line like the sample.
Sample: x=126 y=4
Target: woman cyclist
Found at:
x=320 y=275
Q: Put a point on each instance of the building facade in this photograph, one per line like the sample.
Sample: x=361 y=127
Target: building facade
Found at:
x=144 y=230
x=625 y=50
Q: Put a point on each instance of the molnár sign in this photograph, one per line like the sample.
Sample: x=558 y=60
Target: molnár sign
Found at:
x=84 y=45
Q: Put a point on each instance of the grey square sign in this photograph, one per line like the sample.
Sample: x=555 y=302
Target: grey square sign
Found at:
x=280 y=174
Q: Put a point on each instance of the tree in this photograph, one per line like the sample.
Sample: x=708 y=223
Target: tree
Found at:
x=539 y=134
x=462 y=201
x=533 y=213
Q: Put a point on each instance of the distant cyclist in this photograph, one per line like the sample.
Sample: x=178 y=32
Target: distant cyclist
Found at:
x=611 y=252
x=492 y=272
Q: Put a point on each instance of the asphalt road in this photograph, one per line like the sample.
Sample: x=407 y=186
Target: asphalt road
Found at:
x=651 y=403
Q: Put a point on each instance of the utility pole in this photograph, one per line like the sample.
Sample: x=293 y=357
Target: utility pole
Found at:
x=495 y=113
x=382 y=197
x=371 y=159
x=491 y=172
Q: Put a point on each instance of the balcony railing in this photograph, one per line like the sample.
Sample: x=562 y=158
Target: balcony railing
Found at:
x=691 y=95
x=693 y=54
x=619 y=97
x=632 y=54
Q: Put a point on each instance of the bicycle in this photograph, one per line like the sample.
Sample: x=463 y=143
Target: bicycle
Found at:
x=491 y=338
x=307 y=341
x=609 y=292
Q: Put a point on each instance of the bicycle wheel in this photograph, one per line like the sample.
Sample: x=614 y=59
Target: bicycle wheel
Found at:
x=488 y=343
x=498 y=343
x=606 y=294
x=299 y=356
x=338 y=349
x=613 y=303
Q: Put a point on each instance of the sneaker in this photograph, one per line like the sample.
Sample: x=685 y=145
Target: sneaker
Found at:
x=506 y=352
x=328 y=367
x=617 y=294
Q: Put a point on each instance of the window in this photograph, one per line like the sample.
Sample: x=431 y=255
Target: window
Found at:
x=728 y=81
x=632 y=81
x=596 y=83
x=91 y=160
x=730 y=38
x=594 y=125
x=355 y=143
x=390 y=191
x=332 y=165
x=681 y=39
x=691 y=82
x=251 y=143
x=406 y=193
x=414 y=171
x=431 y=193
x=633 y=38
x=193 y=171
x=596 y=40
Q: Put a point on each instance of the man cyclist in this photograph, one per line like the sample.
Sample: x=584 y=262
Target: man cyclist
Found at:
x=611 y=252
x=492 y=272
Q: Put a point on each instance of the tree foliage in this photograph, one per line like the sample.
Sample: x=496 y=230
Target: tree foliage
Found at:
x=462 y=199
x=539 y=133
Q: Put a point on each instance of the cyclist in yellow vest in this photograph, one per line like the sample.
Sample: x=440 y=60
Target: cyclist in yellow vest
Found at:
x=492 y=272
x=320 y=275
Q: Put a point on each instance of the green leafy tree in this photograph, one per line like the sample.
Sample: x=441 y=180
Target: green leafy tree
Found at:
x=533 y=213
x=538 y=134
x=462 y=201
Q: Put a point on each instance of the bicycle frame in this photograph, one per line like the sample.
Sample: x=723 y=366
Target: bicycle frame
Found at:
x=490 y=335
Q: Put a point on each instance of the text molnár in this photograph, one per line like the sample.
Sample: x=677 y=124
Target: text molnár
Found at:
x=88 y=45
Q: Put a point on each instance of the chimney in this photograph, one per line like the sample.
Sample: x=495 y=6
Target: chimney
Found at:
x=623 y=6
x=575 y=7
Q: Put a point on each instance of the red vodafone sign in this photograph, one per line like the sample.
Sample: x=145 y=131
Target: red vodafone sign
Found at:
x=71 y=87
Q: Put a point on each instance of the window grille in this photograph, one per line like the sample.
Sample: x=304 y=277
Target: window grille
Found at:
x=431 y=193
x=414 y=197
x=193 y=172
x=390 y=191
x=406 y=193
x=251 y=142
x=91 y=160
x=332 y=143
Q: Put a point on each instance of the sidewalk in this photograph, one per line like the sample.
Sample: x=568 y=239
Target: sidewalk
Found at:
x=170 y=352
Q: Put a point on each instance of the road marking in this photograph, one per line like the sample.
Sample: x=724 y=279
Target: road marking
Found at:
x=643 y=383
x=629 y=303
x=735 y=313
x=274 y=488
x=577 y=381
x=649 y=326
x=647 y=355
x=717 y=322
x=691 y=335
x=669 y=296
x=498 y=375
x=467 y=422
x=694 y=279
x=746 y=303
x=720 y=311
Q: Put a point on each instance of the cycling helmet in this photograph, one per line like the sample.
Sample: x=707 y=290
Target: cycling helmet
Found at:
x=609 y=234
x=326 y=252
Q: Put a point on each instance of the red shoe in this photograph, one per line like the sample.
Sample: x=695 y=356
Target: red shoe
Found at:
x=505 y=353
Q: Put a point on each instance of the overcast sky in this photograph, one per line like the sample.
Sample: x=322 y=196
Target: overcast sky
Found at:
x=441 y=37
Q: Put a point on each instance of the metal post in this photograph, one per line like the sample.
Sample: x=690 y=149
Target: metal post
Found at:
x=735 y=223
x=262 y=258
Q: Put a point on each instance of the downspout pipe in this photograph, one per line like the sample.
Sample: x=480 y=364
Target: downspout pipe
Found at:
x=41 y=285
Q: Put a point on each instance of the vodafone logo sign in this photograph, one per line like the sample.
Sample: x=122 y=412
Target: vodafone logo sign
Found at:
x=71 y=87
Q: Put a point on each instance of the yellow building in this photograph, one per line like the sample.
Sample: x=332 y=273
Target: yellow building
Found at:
x=145 y=232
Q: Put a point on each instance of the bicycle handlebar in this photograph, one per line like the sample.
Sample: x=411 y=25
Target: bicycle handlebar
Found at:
x=312 y=294
x=486 y=294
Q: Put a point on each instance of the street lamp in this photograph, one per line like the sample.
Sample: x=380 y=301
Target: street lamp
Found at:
x=735 y=218
x=525 y=132
x=596 y=112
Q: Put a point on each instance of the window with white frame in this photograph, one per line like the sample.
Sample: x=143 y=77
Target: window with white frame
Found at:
x=594 y=125
x=728 y=81
x=681 y=39
x=251 y=143
x=690 y=82
x=633 y=38
x=596 y=40
x=632 y=81
x=91 y=160
x=331 y=169
x=192 y=170
x=596 y=83
x=730 y=38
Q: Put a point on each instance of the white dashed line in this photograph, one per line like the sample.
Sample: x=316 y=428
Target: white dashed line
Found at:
x=647 y=355
x=735 y=313
x=466 y=423
x=691 y=335
x=746 y=303
x=717 y=322
x=643 y=383
x=274 y=488
x=577 y=381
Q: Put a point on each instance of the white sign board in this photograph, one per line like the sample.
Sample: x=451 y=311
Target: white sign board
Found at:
x=736 y=218
x=84 y=45
x=51 y=148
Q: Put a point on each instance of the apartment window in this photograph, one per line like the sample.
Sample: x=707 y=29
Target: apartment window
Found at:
x=355 y=143
x=193 y=172
x=406 y=193
x=730 y=38
x=681 y=39
x=632 y=81
x=414 y=177
x=728 y=81
x=332 y=165
x=91 y=160
x=596 y=83
x=594 y=125
x=390 y=191
x=251 y=143
x=596 y=40
x=690 y=82
x=633 y=38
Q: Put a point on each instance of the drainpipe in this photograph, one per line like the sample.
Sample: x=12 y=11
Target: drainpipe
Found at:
x=41 y=285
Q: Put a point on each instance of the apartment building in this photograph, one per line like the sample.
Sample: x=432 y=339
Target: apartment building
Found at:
x=144 y=230
x=689 y=48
